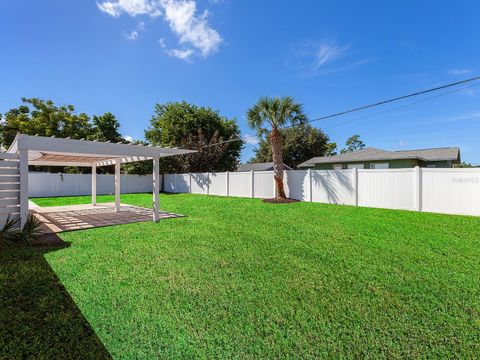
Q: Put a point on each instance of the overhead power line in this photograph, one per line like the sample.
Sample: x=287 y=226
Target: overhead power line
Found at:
x=379 y=103
x=402 y=106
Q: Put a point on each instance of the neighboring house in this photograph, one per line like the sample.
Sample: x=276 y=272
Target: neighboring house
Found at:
x=371 y=158
x=259 y=167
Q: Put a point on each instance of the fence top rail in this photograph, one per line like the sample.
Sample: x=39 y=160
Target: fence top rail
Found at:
x=386 y=170
x=451 y=170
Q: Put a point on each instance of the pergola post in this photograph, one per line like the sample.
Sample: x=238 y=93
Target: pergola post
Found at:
x=94 y=184
x=156 y=189
x=117 y=186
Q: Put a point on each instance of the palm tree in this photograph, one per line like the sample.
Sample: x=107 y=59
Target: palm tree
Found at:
x=275 y=113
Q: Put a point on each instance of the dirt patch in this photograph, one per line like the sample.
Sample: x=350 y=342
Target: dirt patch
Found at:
x=281 y=201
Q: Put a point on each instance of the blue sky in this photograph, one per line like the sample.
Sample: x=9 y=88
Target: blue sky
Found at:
x=124 y=56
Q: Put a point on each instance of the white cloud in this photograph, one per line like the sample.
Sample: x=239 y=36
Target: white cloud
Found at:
x=116 y=8
x=313 y=58
x=460 y=71
x=193 y=30
x=162 y=43
x=181 y=54
x=329 y=52
x=128 y=138
x=250 y=140
x=133 y=35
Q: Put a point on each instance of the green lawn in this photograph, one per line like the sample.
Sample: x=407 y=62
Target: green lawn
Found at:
x=239 y=278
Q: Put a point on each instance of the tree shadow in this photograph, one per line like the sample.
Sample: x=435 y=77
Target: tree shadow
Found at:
x=38 y=318
x=202 y=180
x=296 y=184
x=333 y=182
x=175 y=184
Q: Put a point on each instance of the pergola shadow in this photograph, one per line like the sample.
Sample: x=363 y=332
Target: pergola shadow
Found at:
x=58 y=219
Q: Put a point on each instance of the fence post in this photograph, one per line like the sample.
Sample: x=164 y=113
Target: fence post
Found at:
x=227 y=183
x=190 y=183
x=355 y=186
x=208 y=183
x=252 y=182
x=310 y=185
x=417 y=189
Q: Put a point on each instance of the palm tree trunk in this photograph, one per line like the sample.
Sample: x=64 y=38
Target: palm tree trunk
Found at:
x=276 y=143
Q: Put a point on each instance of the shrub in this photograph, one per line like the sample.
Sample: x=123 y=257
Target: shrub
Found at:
x=11 y=232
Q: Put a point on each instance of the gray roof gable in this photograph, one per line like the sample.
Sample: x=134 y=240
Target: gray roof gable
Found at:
x=373 y=154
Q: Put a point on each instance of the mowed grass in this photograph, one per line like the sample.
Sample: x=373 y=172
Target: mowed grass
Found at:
x=38 y=318
x=239 y=278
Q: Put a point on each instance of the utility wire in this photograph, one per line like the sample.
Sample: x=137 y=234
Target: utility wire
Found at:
x=400 y=107
x=379 y=103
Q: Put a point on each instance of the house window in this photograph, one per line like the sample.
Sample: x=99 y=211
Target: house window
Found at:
x=356 y=166
x=379 y=165
x=431 y=166
x=337 y=166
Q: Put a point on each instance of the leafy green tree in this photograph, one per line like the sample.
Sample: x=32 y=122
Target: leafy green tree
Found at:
x=331 y=149
x=179 y=124
x=463 y=164
x=267 y=116
x=299 y=143
x=138 y=167
x=106 y=128
x=353 y=143
x=44 y=118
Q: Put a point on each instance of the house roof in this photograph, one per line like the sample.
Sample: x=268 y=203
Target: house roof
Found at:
x=259 y=167
x=53 y=151
x=373 y=154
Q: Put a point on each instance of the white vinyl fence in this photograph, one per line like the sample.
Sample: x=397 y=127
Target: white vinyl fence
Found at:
x=48 y=185
x=450 y=191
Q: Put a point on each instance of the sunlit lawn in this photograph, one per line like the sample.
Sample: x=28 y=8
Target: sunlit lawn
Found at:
x=242 y=278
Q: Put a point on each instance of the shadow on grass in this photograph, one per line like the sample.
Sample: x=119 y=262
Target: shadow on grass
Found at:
x=38 y=318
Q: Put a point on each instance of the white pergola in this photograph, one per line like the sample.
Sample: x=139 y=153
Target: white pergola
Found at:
x=52 y=151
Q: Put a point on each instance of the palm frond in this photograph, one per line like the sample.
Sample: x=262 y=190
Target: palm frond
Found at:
x=275 y=112
x=10 y=231
x=31 y=230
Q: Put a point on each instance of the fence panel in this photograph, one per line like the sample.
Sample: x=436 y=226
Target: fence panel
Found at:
x=263 y=185
x=391 y=189
x=131 y=184
x=177 y=183
x=240 y=184
x=218 y=184
x=105 y=183
x=169 y=183
x=200 y=183
x=297 y=184
x=451 y=192
x=47 y=184
x=333 y=187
